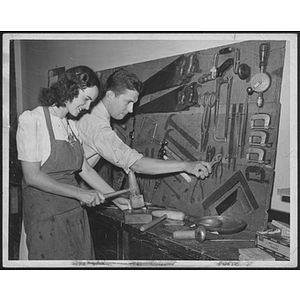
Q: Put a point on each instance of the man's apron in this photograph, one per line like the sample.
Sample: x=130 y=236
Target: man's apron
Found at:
x=57 y=227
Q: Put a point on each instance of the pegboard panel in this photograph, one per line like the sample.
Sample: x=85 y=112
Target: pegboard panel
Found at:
x=207 y=103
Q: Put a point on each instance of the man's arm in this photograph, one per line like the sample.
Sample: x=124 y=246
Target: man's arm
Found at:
x=152 y=166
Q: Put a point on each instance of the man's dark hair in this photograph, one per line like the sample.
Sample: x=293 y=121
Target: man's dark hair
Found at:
x=121 y=80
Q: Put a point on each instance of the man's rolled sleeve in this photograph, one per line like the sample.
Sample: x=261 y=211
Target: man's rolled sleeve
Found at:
x=113 y=149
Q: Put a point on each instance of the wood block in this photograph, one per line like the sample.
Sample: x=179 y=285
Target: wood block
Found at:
x=137 y=216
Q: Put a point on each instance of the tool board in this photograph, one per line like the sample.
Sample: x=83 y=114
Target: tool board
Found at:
x=220 y=101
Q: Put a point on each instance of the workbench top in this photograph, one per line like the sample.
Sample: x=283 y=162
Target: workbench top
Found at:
x=188 y=249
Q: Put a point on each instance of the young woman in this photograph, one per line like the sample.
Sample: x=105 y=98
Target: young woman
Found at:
x=56 y=223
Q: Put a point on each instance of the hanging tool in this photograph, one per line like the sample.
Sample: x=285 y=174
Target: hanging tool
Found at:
x=228 y=96
x=231 y=155
x=209 y=101
x=214 y=70
x=261 y=82
x=164 y=156
x=256 y=155
x=210 y=153
x=216 y=160
x=239 y=118
x=217 y=171
x=187 y=97
x=185 y=176
x=179 y=146
x=236 y=178
x=178 y=72
x=260 y=121
x=259 y=138
x=227 y=203
x=244 y=119
x=242 y=70
x=259 y=174
x=182 y=132
x=218 y=73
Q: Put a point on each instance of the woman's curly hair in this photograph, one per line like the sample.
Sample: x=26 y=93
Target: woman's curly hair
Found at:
x=68 y=85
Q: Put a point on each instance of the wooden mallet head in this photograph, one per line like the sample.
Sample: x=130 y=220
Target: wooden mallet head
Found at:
x=136 y=199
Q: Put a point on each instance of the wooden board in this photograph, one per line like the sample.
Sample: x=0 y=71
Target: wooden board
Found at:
x=182 y=129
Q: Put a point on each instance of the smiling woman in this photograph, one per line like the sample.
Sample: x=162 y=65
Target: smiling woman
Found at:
x=50 y=151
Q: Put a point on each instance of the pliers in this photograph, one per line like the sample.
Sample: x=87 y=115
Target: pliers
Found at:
x=218 y=167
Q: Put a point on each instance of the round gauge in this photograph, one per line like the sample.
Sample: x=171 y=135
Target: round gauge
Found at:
x=260 y=82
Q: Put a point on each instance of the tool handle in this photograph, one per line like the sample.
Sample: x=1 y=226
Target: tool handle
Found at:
x=264 y=49
x=224 y=67
x=153 y=223
x=226 y=50
x=114 y=194
x=184 y=234
x=171 y=214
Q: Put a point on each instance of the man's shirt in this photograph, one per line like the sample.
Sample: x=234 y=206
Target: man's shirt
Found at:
x=100 y=140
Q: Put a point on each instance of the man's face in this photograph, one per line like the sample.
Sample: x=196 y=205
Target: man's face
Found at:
x=120 y=106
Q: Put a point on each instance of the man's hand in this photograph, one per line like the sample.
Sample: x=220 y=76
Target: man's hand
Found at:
x=199 y=169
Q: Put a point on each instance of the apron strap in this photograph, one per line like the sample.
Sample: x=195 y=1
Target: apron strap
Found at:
x=48 y=122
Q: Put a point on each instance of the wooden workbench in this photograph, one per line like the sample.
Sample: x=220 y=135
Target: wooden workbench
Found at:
x=115 y=240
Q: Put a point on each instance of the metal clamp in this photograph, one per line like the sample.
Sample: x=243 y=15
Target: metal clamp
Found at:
x=259 y=155
x=259 y=138
x=258 y=118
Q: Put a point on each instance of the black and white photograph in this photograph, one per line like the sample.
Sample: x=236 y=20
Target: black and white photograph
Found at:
x=149 y=151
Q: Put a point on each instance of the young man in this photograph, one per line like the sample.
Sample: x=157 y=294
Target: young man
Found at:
x=121 y=92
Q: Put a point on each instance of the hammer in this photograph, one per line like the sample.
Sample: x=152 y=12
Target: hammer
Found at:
x=161 y=216
x=200 y=234
x=136 y=199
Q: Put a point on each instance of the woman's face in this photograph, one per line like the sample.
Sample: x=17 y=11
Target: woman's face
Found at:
x=82 y=101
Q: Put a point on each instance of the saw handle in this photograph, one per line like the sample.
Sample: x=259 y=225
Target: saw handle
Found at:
x=153 y=223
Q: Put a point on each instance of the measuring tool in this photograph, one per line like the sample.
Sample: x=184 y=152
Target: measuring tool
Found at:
x=261 y=82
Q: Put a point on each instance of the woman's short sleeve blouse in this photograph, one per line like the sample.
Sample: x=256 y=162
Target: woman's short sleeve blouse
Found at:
x=33 y=140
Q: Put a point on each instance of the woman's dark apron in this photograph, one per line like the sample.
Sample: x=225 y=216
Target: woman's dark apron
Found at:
x=57 y=227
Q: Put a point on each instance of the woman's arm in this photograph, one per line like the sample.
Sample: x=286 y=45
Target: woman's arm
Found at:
x=34 y=177
x=90 y=176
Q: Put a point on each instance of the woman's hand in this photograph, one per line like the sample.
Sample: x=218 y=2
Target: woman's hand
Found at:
x=200 y=169
x=90 y=197
x=122 y=203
